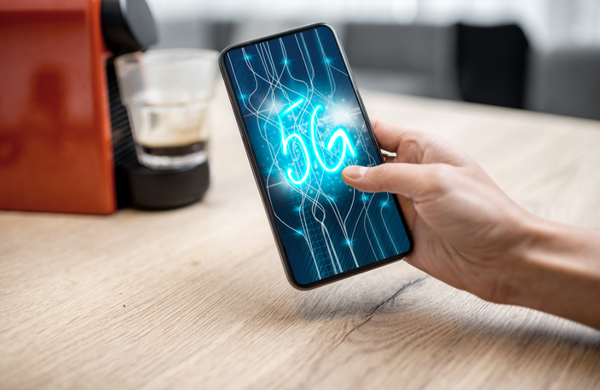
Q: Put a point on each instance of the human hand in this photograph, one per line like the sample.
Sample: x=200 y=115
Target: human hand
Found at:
x=466 y=231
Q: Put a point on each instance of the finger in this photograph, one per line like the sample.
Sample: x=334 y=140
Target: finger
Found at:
x=388 y=135
x=410 y=145
x=410 y=180
x=392 y=137
x=410 y=214
x=416 y=146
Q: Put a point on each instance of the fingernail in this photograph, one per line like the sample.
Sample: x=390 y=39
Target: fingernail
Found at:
x=355 y=172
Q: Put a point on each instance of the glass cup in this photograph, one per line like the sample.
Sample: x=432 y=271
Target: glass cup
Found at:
x=166 y=93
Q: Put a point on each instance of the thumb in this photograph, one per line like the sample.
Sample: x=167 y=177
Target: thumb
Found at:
x=410 y=180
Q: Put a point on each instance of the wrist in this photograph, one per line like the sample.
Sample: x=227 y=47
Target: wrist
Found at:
x=556 y=270
x=523 y=285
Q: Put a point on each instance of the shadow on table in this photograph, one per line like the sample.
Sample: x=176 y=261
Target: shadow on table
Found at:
x=423 y=305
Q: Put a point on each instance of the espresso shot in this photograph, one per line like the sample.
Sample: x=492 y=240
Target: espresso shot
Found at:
x=174 y=151
x=167 y=94
x=170 y=136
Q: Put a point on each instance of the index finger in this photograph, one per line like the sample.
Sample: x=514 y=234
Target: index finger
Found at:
x=409 y=145
x=391 y=137
x=417 y=146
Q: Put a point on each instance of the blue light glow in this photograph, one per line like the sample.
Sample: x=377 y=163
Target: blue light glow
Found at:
x=305 y=125
x=289 y=170
x=290 y=108
x=340 y=133
x=285 y=142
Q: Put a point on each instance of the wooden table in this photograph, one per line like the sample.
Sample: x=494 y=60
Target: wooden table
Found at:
x=197 y=298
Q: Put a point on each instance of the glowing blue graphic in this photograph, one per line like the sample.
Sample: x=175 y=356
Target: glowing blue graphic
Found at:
x=293 y=106
x=338 y=133
x=289 y=170
x=285 y=142
x=305 y=125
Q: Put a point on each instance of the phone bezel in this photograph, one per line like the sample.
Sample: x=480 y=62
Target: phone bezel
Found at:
x=258 y=177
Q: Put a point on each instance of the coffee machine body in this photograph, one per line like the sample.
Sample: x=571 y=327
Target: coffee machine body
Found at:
x=65 y=138
x=55 y=132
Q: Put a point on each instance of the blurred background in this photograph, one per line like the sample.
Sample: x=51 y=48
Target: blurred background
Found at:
x=541 y=55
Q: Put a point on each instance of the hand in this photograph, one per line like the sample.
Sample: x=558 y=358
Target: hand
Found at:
x=466 y=231
x=469 y=234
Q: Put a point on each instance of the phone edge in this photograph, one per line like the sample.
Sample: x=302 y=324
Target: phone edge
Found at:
x=256 y=170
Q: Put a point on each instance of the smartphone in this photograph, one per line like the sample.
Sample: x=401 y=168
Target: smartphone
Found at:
x=302 y=121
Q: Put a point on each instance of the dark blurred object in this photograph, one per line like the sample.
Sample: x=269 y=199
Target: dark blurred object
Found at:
x=160 y=190
x=193 y=33
x=409 y=59
x=127 y=26
x=60 y=106
x=492 y=64
x=220 y=35
x=567 y=82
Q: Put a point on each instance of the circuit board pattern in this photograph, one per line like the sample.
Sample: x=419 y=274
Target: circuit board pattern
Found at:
x=305 y=126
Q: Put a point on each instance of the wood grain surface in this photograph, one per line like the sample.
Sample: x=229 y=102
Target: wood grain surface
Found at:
x=196 y=298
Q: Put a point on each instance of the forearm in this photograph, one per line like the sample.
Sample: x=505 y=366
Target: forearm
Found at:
x=558 y=272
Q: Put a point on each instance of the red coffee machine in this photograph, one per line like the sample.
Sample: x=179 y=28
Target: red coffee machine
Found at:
x=65 y=141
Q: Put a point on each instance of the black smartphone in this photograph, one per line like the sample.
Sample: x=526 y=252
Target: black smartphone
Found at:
x=302 y=121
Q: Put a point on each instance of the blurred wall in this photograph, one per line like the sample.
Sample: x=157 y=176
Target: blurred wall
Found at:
x=547 y=23
x=559 y=68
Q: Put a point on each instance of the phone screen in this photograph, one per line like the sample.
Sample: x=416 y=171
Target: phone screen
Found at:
x=305 y=124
